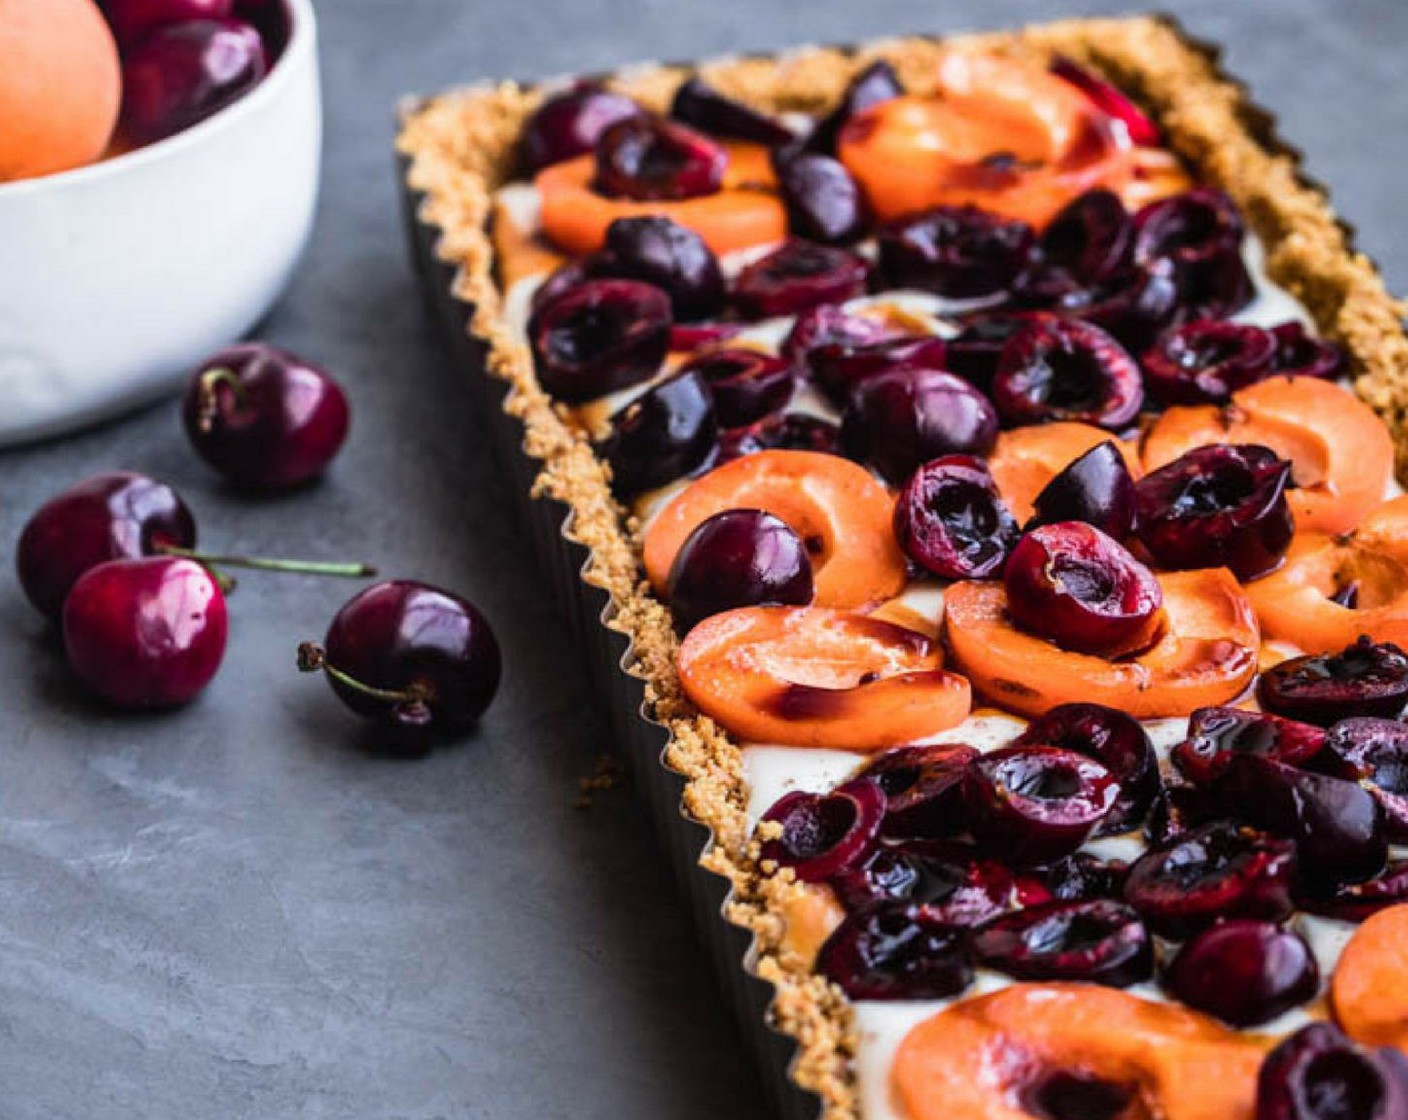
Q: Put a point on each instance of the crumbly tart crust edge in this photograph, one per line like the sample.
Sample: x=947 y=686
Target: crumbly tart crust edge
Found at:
x=461 y=146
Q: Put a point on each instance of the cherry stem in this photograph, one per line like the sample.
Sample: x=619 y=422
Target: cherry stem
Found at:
x=208 y=402
x=301 y=567
x=313 y=658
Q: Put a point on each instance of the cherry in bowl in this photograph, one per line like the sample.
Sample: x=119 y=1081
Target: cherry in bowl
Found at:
x=950 y=520
x=133 y=20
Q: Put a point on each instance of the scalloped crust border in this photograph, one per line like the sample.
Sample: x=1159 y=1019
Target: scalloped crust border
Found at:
x=462 y=145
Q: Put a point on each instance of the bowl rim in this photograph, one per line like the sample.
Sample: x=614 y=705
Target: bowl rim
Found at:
x=302 y=35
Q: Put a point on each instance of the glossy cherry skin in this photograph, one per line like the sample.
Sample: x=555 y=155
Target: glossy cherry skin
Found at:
x=1096 y=488
x=1207 y=360
x=147 y=633
x=1090 y=239
x=895 y=950
x=1213 y=872
x=408 y=637
x=950 y=520
x=1365 y=679
x=1217 y=735
x=746 y=385
x=877 y=83
x=738 y=558
x=1033 y=805
x=264 y=418
x=1354 y=902
x=823 y=835
x=675 y=259
x=181 y=73
x=1223 y=505
x=131 y=20
x=115 y=516
x=956 y=251
x=1097 y=942
x=1244 y=972
x=1200 y=233
x=1082 y=877
x=662 y=435
x=797 y=276
x=829 y=328
x=1374 y=753
x=923 y=789
x=824 y=202
x=973 y=353
x=839 y=368
x=1061 y=369
x=569 y=124
x=1133 y=306
x=1083 y=590
x=789 y=431
x=1300 y=355
x=701 y=106
x=899 y=420
x=600 y=336
x=646 y=159
x=1140 y=128
x=1336 y=825
x=1179 y=808
x=1319 y=1074
x=1114 y=739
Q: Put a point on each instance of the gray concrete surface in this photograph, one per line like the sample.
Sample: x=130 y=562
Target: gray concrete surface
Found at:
x=233 y=912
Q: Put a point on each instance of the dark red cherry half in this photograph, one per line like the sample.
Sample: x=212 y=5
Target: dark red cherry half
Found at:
x=120 y=515
x=1336 y=825
x=662 y=435
x=600 y=336
x=1033 y=805
x=1223 y=505
x=647 y=159
x=950 y=520
x=746 y=384
x=1090 y=239
x=824 y=202
x=895 y=950
x=838 y=369
x=1366 y=679
x=1213 y=872
x=899 y=420
x=1096 y=942
x=824 y=835
x=1374 y=753
x=959 y=252
x=658 y=251
x=1097 y=488
x=1133 y=306
x=1114 y=739
x=1083 y=590
x=569 y=124
x=789 y=431
x=973 y=353
x=1319 y=1074
x=701 y=106
x=1206 y=361
x=1109 y=100
x=1354 y=902
x=877 y=83
x=1200 y=233
x=1300 y=355
x=1217 y=735
x=923 y=789
x=1179 y=808
x=830 y=327
x=738 y=558
x=796 y=276
x=1063 y=369
x=1083 y=877
x=1244 y=972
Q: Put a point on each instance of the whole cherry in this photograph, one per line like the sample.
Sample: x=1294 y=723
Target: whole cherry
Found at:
x=411 y=656
x=146 y=633
x=131 y=20
x=264 y=418
x=569 y=123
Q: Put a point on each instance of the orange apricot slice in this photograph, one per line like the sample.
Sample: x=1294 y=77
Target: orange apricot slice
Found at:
x=1026 y=459
x=973 y=1061
x=1004 y=135
x=814 y=677
x=746 y=211
x=1206 y=656
x=1294 y=604
x=840 y=511
x=810 y=916
x=1341 y=452
x=1369 y=990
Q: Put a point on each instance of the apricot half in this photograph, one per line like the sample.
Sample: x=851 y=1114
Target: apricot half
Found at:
x=1369 y=990
x=813 y=677
x=1207 y=654
x=60 y=86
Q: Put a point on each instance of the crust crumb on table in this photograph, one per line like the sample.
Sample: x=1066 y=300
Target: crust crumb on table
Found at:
x=608 y=774
x=462 y=146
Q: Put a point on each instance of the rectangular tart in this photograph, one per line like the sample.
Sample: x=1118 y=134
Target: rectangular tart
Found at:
x=458 y=149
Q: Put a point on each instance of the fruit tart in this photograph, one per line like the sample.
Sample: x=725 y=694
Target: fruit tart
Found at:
x=988 y=448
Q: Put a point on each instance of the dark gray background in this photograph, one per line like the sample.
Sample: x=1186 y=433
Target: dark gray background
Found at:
x=234 y=912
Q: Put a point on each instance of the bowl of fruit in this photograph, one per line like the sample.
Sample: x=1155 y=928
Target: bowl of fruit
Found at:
x=158 y=178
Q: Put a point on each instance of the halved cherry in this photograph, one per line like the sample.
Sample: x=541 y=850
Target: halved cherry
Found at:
x=796 y=276
x=839 y=510
x=662 y=435
x=787 y=431
x=1245 y=972
x=746 y=384
x=656 y=250
x=950 y=521
x=812 y=677
x=1214 y=872
x=1217 y=735
x=600 y=336
x=895 y=950
x=701 y=106
x=824 y=202
x=647 y=159
x=839 y=369
x=1082 y=877
x=1097 y=488
x=1026 y=460
x=877 y=82
x=1179 y=808
x=1083 y=590
x=1354 y=902
x=831 y=327
x=1096 y=942
x=1067 y=370
x=923 y=789
x=567 y=124
x=1222 y=504
x=1319 y=1074
x=974 y=351
x=1090 y=240
x=1332 y=589
x=1340 y=451
x=1133 y=306
x=1207 y=654
x=1298 y=354
x=825 y=834
x=1142 y=130
x=1366 y=678
x=998 y=133
x=960 y=252
x=1035 y=804
x=744 y=213
x=1200 y=232
x=1207 y=360
x=1374 y=753
x=1367 y=991
x=1114 y=739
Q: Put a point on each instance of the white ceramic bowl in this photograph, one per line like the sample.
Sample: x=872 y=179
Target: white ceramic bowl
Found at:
x=117 y=279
